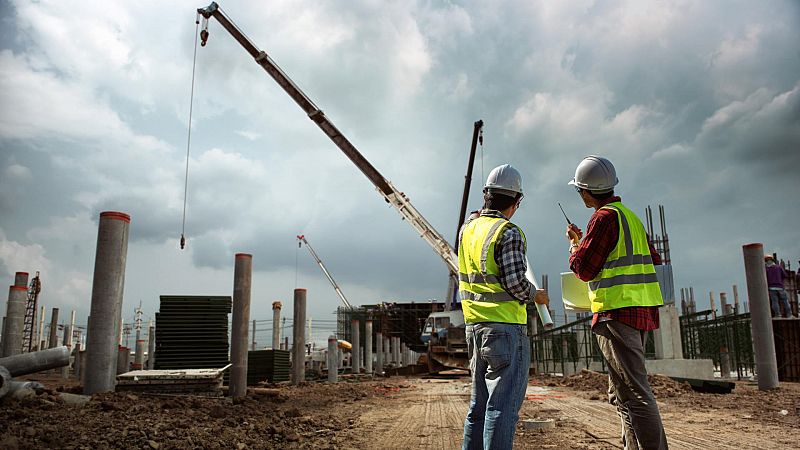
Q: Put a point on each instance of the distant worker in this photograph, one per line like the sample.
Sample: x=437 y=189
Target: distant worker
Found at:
x=777 y=294
x=494 y=292
x=617 y=260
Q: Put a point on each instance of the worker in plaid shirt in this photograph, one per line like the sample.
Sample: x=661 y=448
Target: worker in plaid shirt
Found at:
x=617 y=260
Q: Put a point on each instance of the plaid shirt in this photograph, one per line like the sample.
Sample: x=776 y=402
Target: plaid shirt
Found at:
x=601 y=237
x=509 y=254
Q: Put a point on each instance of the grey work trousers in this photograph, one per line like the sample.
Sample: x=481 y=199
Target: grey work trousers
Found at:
x=628 y=388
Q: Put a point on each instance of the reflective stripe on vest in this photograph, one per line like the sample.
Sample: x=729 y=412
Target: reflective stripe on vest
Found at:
x=628 y=276
x=483 y=298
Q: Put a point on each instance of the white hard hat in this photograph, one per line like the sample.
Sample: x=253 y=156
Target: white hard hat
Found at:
x=504 y=179
x=595 y=174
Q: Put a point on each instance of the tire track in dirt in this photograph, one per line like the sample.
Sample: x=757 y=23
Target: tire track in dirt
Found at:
x=430 y=419
x=690 y=430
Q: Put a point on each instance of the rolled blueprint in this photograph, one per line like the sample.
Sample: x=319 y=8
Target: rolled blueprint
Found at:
x=544 y=314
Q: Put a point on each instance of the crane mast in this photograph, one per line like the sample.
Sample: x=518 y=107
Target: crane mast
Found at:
x=303 y=240
x=385 y=188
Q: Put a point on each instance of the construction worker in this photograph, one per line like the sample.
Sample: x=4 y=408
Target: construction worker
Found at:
x=617 y=260
x=777 y=293
x=494 y=291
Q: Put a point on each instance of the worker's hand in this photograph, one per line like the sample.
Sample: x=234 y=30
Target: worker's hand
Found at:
x=541 y=297
x=574 y=234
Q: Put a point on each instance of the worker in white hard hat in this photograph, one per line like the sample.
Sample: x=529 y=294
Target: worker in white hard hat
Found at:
x=617 y=260
x=494 y=293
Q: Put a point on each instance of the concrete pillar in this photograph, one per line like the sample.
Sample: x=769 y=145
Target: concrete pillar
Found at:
x=368 y=347
x=138 y=360
x=242 y=276
x=52 y=340
x=299 y=337
x=286 y=343
x=397 y=350
x=713 y=304
x=387 y=355
x=379 y=353
x=82 y=357
x=3 y=331
x=567 y=368
x=76 y=364
x=123 y=353
x=106 y=308
x=340 y=352
x=151 y=348
x=32 y=362
x=736 y=309
x=332 y=359
x=723 y=303
x=276 y=324
x=40 y=334
x=761 y=316
x=253 y=337
x=15 y=320
x=21 y=279
x=724 y=363
x=68 y=344
x=584 y=348
x=356 y=351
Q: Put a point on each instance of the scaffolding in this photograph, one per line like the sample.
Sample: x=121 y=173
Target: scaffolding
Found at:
x=29 y=340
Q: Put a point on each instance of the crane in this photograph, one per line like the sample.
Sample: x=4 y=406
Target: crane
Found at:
x=392 y=195
x=302 y=240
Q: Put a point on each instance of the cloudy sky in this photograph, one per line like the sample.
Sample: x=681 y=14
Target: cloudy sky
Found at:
x=696 y=103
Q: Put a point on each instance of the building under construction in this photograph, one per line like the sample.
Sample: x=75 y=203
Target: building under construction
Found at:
x=401 y=320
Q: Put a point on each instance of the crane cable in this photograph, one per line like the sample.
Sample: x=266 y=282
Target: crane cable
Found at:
x=480 y=140
x=189 y=137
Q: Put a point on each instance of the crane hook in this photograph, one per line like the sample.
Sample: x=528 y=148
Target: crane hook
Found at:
x=204 y=33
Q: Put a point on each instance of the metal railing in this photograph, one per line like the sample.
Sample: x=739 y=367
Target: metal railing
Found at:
x=707 y=336
x=569 y=348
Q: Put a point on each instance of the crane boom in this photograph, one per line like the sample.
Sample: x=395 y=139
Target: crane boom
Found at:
x=392 y=196
x=302 y=238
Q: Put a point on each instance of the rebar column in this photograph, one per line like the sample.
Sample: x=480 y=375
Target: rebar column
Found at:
x=276 y=325
x=15 y=320
x=299 y=337
x=761 y=316
x=332 y=360
x=151 y=348
x=242 y=276
x=102 y=350
x=379 y=353
x=368 y=347
x=355 y=354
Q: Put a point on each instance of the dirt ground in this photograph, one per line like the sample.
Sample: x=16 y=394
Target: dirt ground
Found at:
x=392 y=413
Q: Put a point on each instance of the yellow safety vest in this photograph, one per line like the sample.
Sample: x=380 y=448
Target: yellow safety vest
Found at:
x=483 y=299
x=628 y=277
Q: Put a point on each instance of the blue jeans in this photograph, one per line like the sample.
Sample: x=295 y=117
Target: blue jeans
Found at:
x=500 y=355
x=776 y=297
